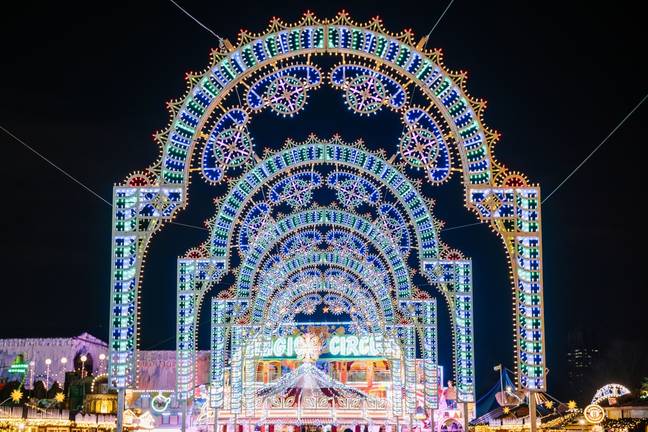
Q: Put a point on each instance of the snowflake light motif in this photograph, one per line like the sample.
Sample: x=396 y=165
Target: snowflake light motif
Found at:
x=348 y=245
x=300 y=243
x=365 y=94
x=391 y=229
x=351 y=193
x=260 y=229
x=306 y=305
x=233 y=147
x=337 y=305
x=286 y=95
x=419 y=147
x=297 y=193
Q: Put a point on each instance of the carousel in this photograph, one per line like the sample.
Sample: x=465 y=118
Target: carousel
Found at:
x=308 y=396
x=314 y=384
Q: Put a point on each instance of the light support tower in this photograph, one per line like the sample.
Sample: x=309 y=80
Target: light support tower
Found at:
x=121 y=400
x=532 y=410
x=499 y=368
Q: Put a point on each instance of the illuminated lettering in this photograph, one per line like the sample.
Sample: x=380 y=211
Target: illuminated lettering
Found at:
x=335 y=345
x=279 y=347
x=373 y=351
x=352 y=346
x=363 y=345
x=338 y=346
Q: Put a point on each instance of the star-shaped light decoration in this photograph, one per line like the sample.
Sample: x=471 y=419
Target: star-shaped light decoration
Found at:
x=308 y=347
x=59 y=397
x=571 y=405
x=16 y=396
x=507 y=410
x=548 y=404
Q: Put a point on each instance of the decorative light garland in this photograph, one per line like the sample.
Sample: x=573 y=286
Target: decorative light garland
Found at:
x=609 y=391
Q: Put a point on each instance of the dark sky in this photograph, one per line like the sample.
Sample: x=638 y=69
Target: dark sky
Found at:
x=86 y=83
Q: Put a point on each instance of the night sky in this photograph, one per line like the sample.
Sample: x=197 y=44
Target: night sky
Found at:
x=86 y=83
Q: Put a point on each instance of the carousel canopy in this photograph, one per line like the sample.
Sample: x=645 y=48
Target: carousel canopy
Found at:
x=308 y=381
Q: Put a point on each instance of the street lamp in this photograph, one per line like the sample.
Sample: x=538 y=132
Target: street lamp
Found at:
x=84 y=358
x=31 y=373
x=102 y=357
x=64 y=361
x=48 y=362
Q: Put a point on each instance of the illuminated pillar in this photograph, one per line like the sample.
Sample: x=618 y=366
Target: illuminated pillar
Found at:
x=218 y=342
x=223 y=312
x=194 y=278
x=240 y=358
x=138 y=212
x=408 y=341
x=463 y=319
x=515 y=214
x=395 y=352
x=249 y=370
x=456 y=275
x=183 y=426
x=425 y=313
x=187 y=310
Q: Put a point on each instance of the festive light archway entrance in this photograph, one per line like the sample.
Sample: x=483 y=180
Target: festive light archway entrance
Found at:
x=277 y=250
x=374 y=70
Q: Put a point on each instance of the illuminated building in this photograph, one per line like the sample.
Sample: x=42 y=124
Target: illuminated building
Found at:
x=580 y=358
x=50 y=358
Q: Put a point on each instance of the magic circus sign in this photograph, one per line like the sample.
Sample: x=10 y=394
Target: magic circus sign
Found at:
x=336 y=346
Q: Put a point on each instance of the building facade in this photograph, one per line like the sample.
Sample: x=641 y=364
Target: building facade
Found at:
x=49 y=359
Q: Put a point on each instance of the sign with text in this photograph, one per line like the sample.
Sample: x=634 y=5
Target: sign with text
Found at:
x=336 y=346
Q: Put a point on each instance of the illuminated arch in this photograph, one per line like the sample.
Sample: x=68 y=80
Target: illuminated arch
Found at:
x=189 y=301
x=338 y=37
x=393 y=65
x=239 y=203
x=333 y=152
x=330 y=259
x=609 y=391
x=366 y=305
x=330 y=218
